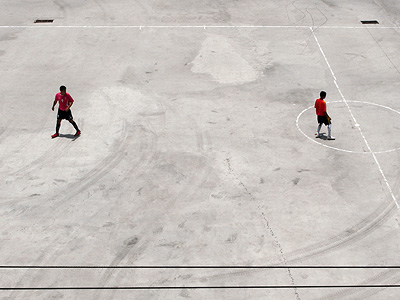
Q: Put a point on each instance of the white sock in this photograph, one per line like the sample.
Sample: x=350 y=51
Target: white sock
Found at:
x=329 y=129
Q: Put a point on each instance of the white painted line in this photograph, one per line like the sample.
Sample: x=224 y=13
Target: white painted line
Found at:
x=359 y=27
x=326 y=60
x=149 y=26
x=194 y=26
x=376 y=104
x=355 y=122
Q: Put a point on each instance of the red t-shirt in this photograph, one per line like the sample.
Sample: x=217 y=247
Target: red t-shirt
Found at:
x=320 y=106
x=64 y=100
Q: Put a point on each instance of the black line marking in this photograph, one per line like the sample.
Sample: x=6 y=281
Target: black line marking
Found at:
x=197 y=267
x=370 y=22
x=43 y=21
x=200 y=287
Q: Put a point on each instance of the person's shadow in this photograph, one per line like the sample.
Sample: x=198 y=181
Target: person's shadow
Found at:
x=68 y=136
x=322 y=136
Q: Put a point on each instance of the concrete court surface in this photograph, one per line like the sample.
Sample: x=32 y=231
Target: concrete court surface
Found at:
x=198 y=149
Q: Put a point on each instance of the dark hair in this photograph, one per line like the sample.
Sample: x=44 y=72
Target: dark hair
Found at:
x=322 y=94
x=63 y=88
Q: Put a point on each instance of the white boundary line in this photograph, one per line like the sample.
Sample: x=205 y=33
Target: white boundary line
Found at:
x=151 y=26
x=355 y=121
x=194 y=26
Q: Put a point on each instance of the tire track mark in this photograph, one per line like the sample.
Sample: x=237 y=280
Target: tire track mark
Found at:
x=351 y=234
x=385 y=277
x=110 y=162
x=187 y=191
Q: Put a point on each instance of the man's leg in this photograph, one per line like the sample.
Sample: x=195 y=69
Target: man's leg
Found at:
x=318 y=129
x=58 y=126
x=330 y=137
x=78 y=132
x=57 y=129
x=74 y=124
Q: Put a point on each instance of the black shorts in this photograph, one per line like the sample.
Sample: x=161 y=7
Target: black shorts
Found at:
x=66 y=115
x=323 y=119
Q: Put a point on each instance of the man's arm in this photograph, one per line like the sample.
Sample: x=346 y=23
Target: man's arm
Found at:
x=69 y=106
x=70 y=102
x=54 y=104
x=326 y=114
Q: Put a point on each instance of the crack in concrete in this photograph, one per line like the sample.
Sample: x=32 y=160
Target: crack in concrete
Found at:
x=269 y=228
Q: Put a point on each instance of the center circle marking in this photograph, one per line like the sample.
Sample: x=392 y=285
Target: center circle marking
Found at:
x=357 y=125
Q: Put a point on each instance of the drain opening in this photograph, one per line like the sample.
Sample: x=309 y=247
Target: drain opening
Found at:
x=44 y=21
x=370 y=22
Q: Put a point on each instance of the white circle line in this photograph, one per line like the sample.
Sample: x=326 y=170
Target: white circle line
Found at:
x=344 y=150
x=321 y=144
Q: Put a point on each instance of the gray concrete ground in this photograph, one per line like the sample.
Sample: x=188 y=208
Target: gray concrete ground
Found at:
x=198 y=149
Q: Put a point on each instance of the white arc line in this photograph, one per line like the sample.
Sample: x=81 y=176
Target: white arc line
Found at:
x=355 y=122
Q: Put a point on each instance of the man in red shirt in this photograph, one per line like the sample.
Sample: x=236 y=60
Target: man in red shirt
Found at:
x=322 y=115
x=65 y=102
